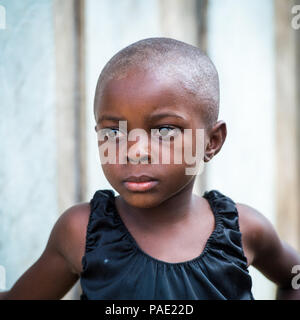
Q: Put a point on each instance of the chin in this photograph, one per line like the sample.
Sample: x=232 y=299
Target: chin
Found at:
x=143 y=200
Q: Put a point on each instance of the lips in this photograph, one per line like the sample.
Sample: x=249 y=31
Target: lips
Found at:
x=142 y=178
x=140 y=183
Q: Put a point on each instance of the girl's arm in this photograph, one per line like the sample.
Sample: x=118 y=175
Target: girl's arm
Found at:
x=55 y=272
x=270 y=255
x=49 y=278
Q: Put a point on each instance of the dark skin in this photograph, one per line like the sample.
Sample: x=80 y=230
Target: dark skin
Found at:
x=168 y=222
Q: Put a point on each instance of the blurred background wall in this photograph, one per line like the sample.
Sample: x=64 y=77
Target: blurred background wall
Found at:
x=28 y=191
x=51 y=53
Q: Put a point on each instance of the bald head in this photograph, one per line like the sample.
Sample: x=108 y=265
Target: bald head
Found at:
x=172 y=58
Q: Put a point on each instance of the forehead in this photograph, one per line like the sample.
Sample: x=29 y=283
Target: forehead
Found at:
x=140 y=92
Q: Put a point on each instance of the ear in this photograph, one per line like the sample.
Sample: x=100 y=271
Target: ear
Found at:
x=96 y=128
x=216 y=138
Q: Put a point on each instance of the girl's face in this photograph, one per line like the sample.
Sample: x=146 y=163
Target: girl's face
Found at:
x=149 y=101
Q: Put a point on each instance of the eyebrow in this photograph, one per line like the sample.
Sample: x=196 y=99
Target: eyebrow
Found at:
x=152 y=117
x=109 y=117
x=166 y=115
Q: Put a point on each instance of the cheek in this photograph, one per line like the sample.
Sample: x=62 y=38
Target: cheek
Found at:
x=174 y=176
x=193 y=152
x=171 y=152
x=112 y=173
x=184 y=148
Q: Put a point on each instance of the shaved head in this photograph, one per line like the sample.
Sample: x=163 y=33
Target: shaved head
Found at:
x=172 y=58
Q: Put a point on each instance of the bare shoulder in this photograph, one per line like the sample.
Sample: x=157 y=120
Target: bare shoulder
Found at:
x=253 y=223
x=69 y=234
x=256 y=230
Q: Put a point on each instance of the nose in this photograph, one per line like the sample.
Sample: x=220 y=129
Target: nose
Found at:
x=138 y=151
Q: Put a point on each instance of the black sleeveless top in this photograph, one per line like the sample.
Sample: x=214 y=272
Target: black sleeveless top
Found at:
x=116 y=268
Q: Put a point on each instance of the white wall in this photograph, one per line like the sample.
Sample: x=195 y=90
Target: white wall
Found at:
x=27 y=134
x=241 y=44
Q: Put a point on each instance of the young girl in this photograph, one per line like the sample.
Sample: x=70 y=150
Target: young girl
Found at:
x=157 y=239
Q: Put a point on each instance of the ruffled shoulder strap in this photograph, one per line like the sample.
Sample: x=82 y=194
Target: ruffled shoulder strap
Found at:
x=229 y=239
x=101 y=212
